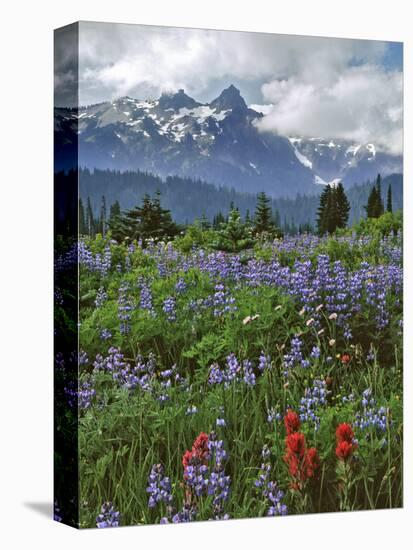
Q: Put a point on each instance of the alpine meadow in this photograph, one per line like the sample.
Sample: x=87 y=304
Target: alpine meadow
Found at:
x=228 y=276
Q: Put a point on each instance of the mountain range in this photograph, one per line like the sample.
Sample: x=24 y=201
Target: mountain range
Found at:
x=218 y=142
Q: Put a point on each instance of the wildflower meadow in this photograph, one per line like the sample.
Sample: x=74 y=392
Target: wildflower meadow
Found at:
x=217 y=384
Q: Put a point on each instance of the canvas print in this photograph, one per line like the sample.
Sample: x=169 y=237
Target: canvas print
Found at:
x=228 y=275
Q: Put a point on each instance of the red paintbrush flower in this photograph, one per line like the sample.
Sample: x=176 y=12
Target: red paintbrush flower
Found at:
x=302 y=462
x=296 y=444
x=345 y=358
x=200 y=446
x=312 y=462
x=199 y=453
x=291 y=422
x=344 y=432
x=186 y=459
x=344 y=450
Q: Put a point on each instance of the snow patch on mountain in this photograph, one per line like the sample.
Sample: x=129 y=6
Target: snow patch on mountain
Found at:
x=319 y=181
x=254 y=167
x=353 y=149
x=302 y=158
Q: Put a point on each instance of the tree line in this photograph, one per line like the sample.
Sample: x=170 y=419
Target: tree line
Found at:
x=150 y=219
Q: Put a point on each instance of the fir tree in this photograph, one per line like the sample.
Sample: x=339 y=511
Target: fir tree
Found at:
x=233 y=235
x=90 y=222
x=204 y=222
x=342 y=206
x=149 y=220
x=380 y=205
x=218 y=220
x=263 y=215
x=116 y=223
x=82 y=221
x=333 y=211
x=372 y=201
x=389 y=205
x=277 y=219
x=102 y=221
x=375 y=207
x=322 y=212
x=114 y=210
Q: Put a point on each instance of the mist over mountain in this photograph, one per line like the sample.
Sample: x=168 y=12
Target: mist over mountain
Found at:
x=218 y=142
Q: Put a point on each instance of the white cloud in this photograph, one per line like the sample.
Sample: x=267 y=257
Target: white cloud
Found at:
x=311 y=86
x=264 y=109
x=362 y=103
x=133 y=59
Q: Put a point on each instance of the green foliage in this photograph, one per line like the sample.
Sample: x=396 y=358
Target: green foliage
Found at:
x=389 y=204
x=374 y=207
x=148 y=221
x=387 y=224
x=125 y=432
x=234 y=235
x=263 y=222
x=333 y=211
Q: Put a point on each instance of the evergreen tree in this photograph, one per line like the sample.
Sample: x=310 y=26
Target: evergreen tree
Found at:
x=233 y=235
x=116 y=222
x=263 y=215
x=204 y=222
x=277 y=219
x=342 y=205
x=372 y=201
x=90 y=222
x=375 y=207
x=380 y=205
x=333 y=211
x=82 y=221
x=114 y=210
x=102 y=221
x=218 y=220
x=389 y=206
x=149 y=220
x=322 y=212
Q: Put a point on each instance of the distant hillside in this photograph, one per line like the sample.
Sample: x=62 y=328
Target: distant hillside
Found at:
x=190 y=199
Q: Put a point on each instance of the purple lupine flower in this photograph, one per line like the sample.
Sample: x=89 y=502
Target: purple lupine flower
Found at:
x=372 y=416
x=269 y=491
x=169 y=308
x=159 y=487
x=57 y=512
x=146 y=297
x=108 y=516
x=264 y=362
x=86 y=393
x=273 y=415
x=101 y=297
x=313 y=399
x=180 y=286
x=105 y=334
x=124 y=308
x=249 y=376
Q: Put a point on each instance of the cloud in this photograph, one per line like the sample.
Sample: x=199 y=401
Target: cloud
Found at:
x=134 y=59
x=361 y=103
x=310 y=85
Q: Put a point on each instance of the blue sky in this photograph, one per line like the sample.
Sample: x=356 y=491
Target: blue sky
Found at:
x=393 y=57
